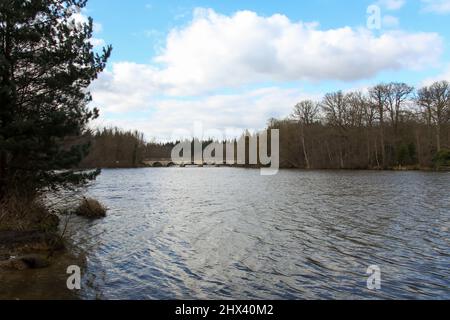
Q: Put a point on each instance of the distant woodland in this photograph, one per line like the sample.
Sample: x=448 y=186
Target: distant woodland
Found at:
x=116 y=148
x=390 y=126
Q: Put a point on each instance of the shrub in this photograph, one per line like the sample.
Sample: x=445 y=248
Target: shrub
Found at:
x=406 y=154
x=442 y=158
x=26 y=215
x=91 y=208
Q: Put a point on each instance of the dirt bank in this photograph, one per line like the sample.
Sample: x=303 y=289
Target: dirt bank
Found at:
x=33 y=265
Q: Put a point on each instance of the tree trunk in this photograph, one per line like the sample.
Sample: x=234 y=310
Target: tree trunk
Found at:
x=376 y=154
x=383 y=150
x=2 y=173
x=341 y=156
x=369 y=158
x=419 y=148
x=6 y=117
x=330 y=157
x=305 y=152
x=438 y=137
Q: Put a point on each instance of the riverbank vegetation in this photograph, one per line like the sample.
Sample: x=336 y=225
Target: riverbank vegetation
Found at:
x=391 y=126
x=47 y=64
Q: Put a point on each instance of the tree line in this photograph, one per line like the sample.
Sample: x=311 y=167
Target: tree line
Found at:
x=391 y=125
x=116 y=148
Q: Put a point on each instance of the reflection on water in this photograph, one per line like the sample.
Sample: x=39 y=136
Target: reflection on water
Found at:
x=231 y=233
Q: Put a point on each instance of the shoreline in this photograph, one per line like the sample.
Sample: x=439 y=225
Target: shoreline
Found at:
x=398 y=169
x=36 y=262
x=46 y=282
x=41 y=284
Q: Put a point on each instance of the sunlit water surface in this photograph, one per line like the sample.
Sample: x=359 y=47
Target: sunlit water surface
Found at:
x=218 y=233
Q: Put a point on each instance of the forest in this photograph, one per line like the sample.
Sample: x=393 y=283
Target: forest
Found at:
x=391 y=126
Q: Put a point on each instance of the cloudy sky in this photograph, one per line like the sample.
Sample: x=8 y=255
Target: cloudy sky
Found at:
x=235 y=64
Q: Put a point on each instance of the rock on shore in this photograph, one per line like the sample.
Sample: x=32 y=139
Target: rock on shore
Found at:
x=33 y=265
x=20 y=250
x=31 y=261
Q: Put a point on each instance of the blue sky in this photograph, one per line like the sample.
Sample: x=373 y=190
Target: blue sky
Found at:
x=237 y=63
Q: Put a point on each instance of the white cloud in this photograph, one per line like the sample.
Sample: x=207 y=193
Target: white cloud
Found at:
x=248 y=110
x=220 y=51
x=437 y=6
x=98 y=42
x=128 y=86
x=390 y=21
x=82 y=18
x=216 y=52
x=392 y=4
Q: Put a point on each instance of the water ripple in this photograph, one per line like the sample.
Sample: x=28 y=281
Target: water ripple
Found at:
x=230 y=233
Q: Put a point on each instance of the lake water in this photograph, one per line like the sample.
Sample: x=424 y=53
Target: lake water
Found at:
x=224 y=233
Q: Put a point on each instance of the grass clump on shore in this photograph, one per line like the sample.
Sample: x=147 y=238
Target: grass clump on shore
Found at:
x=91 y=208
x=28 y=233
x=26 y=215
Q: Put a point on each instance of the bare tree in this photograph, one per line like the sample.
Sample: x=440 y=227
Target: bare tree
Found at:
x=356 y=109
x=362 y=115
x=335 y=107
x=378 y=97
x=435 y=100
x=397 y=94
x=305 y=113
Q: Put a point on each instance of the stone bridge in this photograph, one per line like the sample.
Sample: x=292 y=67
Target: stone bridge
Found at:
x=163 y=162
x=167 y=162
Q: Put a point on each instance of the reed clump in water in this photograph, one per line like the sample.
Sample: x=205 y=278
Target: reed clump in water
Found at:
x=91 y=208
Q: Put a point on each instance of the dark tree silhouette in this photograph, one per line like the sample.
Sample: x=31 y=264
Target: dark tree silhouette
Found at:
x=46 y=65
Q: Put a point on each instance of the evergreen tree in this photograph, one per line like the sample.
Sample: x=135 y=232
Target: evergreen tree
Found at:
x=46 y=65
